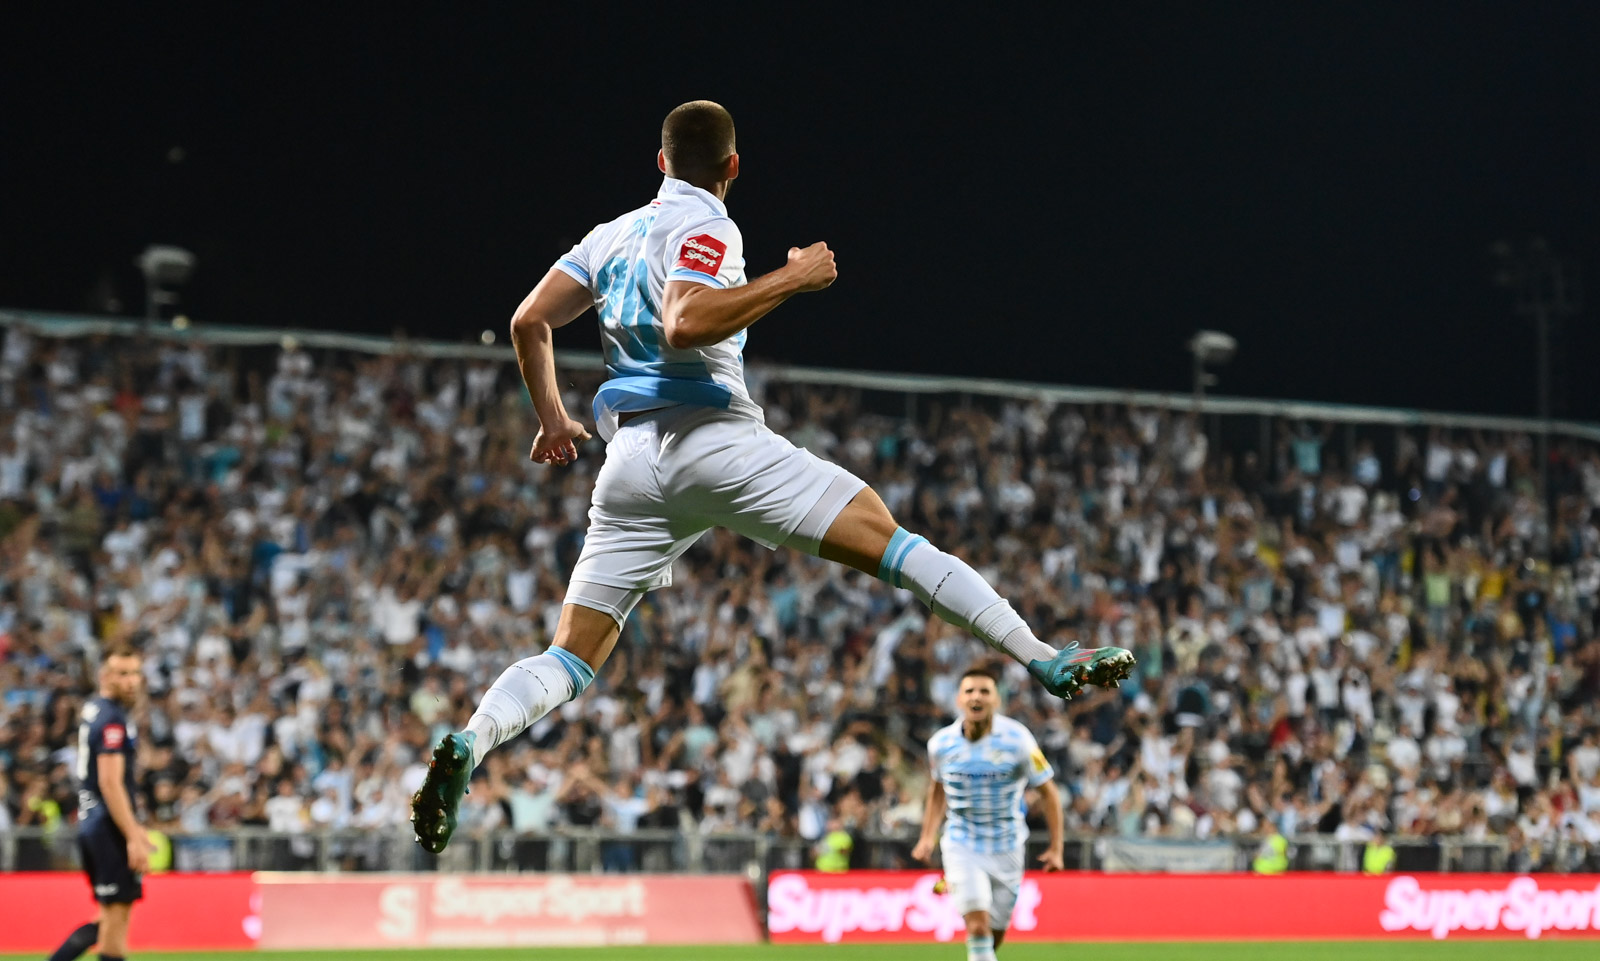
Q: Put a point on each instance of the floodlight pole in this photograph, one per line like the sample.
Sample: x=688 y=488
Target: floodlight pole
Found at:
x=1541 y=316
x=1545 y=289
x=1199 y=382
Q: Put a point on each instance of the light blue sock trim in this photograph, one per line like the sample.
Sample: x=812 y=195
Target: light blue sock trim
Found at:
x=981 y=947
x=916 y=541
x=582 y=674
x=886 y=568
x=900 y=545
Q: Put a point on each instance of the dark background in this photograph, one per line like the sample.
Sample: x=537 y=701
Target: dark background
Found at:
x=1061 y=195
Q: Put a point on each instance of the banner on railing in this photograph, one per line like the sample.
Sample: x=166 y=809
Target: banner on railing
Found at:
x=1166 y=857
x=902 y=906
x=179 y=911
x=442 y=910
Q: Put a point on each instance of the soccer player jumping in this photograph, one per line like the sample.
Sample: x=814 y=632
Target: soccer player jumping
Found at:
x=687 y=450
x=980 y=767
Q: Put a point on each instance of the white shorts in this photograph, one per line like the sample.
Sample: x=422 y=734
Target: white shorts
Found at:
x=983 y=882
x=671 y=475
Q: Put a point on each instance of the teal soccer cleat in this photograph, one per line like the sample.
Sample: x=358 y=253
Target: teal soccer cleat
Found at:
x=1066 y=674
x=433 y=807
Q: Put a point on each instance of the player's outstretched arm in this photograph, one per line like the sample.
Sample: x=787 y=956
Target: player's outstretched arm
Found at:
x=695 y=315
x=932 y=820
x=557 y=301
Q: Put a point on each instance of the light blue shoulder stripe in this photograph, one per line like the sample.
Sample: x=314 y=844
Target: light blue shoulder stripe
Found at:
x=577 y=272
x=695 y=276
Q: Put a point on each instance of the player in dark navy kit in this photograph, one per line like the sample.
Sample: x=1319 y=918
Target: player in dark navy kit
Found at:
x=114 y=847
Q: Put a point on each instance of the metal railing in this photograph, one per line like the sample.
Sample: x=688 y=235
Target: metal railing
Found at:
x=57 y=324
x=584 y=851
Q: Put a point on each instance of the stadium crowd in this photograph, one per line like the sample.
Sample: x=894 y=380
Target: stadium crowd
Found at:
x=327 y=556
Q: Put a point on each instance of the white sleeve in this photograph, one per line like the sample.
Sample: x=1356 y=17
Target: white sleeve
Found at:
x=709 y=252
x=1039 y=769
x=577 y=263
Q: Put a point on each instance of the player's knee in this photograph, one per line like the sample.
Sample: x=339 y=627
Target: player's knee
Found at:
x=860 y=534
x=591 y=620
x=872 y=513
x=978 y=924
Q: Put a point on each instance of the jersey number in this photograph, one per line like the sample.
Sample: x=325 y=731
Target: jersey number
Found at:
x=83 y=752
x=624 y=282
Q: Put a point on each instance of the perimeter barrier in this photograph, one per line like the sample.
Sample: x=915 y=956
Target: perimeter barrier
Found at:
x=894 y=394
x=333 y=911
x=754 y=855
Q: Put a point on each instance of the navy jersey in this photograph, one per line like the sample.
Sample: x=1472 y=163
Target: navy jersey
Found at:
x=104 y=729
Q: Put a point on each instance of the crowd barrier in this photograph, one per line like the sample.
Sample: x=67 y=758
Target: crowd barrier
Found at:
x=573 y=850
x=891 y=906
x=53 y=324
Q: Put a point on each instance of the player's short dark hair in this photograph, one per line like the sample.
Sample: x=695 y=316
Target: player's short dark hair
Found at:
x=119 y=649
x=697 y=139
x=980 y=670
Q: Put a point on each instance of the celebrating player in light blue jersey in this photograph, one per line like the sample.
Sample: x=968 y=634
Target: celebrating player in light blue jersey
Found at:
x=687 y=451
x=981 y=766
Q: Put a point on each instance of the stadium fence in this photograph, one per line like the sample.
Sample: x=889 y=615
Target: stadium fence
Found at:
x=905 y=389
x=660 y=851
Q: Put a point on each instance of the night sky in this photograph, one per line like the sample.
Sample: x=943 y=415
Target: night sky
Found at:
x=1060 y=196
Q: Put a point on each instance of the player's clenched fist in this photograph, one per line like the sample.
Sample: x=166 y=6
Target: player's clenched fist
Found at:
x=813 y=266
x=558 y=444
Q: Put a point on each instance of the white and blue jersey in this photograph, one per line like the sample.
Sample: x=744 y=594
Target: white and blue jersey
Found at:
x=984 y=783
x=684 y=234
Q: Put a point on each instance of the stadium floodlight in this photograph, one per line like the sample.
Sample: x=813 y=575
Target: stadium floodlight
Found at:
x=1213 y=346
x=165 y=269
x=1209 y=347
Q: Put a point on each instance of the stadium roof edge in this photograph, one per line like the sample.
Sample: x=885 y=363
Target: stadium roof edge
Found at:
x=84 y=325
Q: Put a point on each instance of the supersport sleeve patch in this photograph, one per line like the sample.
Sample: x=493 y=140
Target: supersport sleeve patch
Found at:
x=113 y=736
x=702 y=254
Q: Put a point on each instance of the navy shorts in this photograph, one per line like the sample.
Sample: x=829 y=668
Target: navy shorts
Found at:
x=105 y=860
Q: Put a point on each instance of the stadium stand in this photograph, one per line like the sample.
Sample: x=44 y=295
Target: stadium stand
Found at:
x=328 y=554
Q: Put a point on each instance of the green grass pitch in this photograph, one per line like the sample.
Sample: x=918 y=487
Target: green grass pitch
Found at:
x=1211 y=951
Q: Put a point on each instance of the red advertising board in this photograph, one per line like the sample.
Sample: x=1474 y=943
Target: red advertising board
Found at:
x=422 y=910
x=179 y=911
x=901 y=906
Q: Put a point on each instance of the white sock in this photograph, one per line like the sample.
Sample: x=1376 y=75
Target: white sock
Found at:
x=980 y=949
x=525 y=692
x=958 y=594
